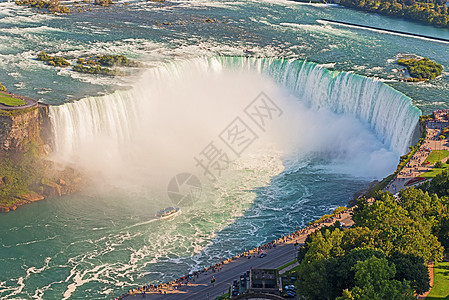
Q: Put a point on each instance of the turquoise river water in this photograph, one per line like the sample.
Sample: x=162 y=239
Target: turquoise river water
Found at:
x=340 y=118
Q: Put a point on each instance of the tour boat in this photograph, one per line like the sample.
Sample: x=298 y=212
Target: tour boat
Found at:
x=168 y=212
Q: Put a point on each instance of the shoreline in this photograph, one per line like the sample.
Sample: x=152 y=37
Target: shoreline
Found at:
x=177 y=288
x=409 y=34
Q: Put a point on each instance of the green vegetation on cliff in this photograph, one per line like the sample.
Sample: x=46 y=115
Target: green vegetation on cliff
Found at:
x=335 y=212
x=432 y=12
x=27 y=175
x=53 y=60
x=421 y=69
x=2 y=87
x=18 y=173
x=10 y=101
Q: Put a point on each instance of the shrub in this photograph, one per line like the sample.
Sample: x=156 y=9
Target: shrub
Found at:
x=53 y=60
x=439 y=164
x=421 y=69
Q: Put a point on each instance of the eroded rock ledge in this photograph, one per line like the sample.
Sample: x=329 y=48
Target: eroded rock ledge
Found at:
x=26 y=175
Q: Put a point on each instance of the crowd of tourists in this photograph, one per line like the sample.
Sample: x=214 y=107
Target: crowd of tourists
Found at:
x=174 y=285
x=417 y=165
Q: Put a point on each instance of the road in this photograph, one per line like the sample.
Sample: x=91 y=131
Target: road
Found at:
x=202 y=288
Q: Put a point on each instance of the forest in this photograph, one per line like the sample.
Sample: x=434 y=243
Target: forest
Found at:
x=385 y=254
x=432 y=12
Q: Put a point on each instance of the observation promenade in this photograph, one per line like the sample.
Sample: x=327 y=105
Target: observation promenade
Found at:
x=198 y=286
x=29 y=103
x=416 y=165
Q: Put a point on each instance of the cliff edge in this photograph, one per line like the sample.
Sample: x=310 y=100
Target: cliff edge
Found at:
x=26 y=175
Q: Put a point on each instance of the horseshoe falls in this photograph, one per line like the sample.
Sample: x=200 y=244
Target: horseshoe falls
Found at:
x=120 y=115
x=345 y=121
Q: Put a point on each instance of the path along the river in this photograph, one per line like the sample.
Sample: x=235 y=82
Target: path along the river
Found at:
x=416 y=167
x=278 y=253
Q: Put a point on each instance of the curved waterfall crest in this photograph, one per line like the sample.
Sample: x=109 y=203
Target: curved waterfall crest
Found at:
x=389 y=113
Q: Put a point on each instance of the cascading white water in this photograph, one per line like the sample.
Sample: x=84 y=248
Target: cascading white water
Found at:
x=120 y=119
x=389 y=112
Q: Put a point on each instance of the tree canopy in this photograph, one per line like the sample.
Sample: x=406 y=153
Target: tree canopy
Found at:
x=384 y=254
x=432 y=12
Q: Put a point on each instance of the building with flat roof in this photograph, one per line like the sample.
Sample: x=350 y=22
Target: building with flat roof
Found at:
x=264 y=281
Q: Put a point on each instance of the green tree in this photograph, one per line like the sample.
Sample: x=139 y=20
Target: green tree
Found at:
x=324 y=246
x=316 y=279
x=344 y=272
x=398 y=230
x=439 y=184
x=412 y=269
x=360 y=237
x=374 y=279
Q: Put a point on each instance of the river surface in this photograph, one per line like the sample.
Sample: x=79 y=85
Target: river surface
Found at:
x=331 y=132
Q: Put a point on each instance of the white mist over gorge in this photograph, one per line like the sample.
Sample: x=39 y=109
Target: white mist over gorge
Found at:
x=346 y=119
x=154 y=130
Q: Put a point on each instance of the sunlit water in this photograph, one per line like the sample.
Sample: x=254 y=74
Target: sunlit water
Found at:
x=105 y=240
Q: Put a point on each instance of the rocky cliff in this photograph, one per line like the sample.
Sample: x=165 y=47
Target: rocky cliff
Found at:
x=18 y=128
x=26 y=175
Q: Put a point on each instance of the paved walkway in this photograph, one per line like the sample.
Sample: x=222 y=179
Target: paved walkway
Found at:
x=415 y=167
x=28 y=102
x=278 y=253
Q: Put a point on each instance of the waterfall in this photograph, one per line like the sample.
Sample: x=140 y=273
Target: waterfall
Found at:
x=389 y=113
x=117 y=116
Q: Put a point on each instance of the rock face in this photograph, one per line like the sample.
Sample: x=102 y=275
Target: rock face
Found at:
x=20 y=127
x=23 y=130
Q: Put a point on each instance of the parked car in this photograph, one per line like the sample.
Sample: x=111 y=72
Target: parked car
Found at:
x=289 y=287
x=262 y=255
x=290 y=294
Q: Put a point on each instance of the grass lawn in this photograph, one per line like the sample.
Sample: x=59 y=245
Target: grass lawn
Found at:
x=440 y=289
x=434 y=172
x=437 y=155
x=10 y=101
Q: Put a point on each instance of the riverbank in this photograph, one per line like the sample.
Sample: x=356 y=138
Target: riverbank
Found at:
x=417 y=166
x=431 y=12
x=197 y=285
x=432 y=38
